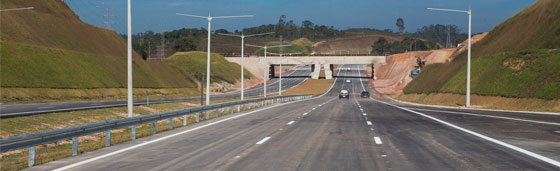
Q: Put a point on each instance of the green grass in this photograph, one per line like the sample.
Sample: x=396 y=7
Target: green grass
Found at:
x=525 y=74
x=194 y=63
x=302 y=45
x=536 y=27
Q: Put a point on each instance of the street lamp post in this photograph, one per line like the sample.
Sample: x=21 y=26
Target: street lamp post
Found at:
x=17 y=9
x=280 y=80
x=209 y=18
x=265 y=77
x=243 y=36
x=468 y=100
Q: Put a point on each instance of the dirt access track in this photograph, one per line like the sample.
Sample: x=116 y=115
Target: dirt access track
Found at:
x=391 y=77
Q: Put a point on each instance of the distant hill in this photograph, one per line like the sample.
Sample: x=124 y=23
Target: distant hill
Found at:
x=510 y=69
x=50 y=47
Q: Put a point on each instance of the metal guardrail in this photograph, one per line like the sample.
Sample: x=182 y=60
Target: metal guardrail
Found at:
x=32 y=140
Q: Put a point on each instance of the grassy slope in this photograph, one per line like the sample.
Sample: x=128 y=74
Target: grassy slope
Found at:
x=536 y=27
x=302 y=45
x=50 y=47
x=192 y=63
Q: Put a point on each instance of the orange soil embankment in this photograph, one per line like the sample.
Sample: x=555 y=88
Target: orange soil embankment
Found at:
x=391 y=77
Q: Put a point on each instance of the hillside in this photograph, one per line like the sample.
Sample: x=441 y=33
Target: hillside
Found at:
x=50 y=47
x=302 y=45
x=357 y=44
x=534 y=74
x=193 y=64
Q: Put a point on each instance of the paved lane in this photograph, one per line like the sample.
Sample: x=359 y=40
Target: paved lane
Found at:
x=328 y=133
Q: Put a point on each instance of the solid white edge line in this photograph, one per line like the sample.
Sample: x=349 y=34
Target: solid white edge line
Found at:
x=377 y=140
x=291 y=122
x=166 y=137
x=369 y=123
x=529 y=153
x=493 y=110
x=489 y=116
x=263 y=140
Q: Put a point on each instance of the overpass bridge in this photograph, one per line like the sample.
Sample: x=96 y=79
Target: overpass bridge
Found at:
x=318 y=62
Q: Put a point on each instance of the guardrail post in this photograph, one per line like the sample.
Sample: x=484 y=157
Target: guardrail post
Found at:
x=197 y=113
x=31 y=161
x=133 y=132
x=238 y=108
x=107 y=138
x=225 y=110
x=74 y=146
x=217 y=113
x=231 y=108
x=207 y=114
x=250 y=106
x=184 y=120
x=170 y=123
x=154 y=128
x=244 y=107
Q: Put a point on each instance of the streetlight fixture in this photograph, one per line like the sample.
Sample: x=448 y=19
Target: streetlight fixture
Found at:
x=209 y=18
x=265 y=62
x=280 y=80
x=17 y=9
x=243 y=55
x=468 y=103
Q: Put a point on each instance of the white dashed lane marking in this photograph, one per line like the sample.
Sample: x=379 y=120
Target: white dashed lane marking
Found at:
x=369 y=123
x=377 y=140
x=365 y=114
x=291 y=122
x=263 y=140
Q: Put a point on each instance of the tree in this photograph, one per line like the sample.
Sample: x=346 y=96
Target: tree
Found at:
x=307 y=24
x=380 y=46
x=400 y=25
x=184 y=44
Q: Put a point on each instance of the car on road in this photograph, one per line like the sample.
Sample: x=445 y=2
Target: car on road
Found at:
x=365 y=94
x=344 y=94
x=348 y=81
x=347 y=69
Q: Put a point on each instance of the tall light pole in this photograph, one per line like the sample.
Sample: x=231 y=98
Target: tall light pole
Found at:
x=209 y=18
x=243 y=36
x=265 y=76
x=17 y=9
x=129 y=67
x=468 y=103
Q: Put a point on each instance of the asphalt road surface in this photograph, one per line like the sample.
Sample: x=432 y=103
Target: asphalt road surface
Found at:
x=328 y=133
x=294 y=77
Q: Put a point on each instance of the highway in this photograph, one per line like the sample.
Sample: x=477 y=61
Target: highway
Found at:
x=294 y=77
x=328 y=133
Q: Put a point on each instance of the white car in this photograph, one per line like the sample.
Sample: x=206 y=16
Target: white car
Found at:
x=347 y=69
x=348 y=81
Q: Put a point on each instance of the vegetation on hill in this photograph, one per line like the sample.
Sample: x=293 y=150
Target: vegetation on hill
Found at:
x=50 y=47
x=302 y=45
x=193 y=64
x=535 y=27
x=384 y=47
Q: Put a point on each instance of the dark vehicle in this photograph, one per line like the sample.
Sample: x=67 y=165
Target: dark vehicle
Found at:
x=344 y=94
x=365 y=94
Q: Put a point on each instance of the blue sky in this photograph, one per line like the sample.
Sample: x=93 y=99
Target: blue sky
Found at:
x=157 y=15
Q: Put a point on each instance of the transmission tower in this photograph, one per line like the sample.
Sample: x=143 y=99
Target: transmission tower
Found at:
x=448 y=43
x=109 y=19
x=161 y=48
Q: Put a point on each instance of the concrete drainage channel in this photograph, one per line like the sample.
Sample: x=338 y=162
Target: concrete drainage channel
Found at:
x=45 y=139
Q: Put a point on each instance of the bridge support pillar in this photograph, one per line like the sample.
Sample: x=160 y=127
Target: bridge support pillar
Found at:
x=328 y=71
x=316 y=71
